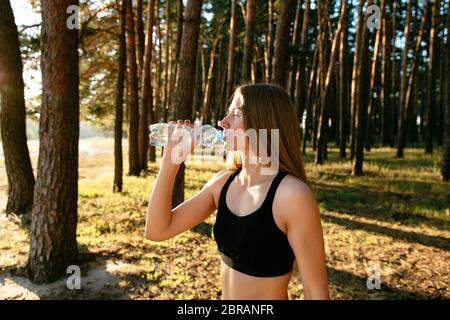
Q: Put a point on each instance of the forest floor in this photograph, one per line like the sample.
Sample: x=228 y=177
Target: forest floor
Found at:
x=392 y=224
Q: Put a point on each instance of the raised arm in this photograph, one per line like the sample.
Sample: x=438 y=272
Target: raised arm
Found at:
x=162 y=221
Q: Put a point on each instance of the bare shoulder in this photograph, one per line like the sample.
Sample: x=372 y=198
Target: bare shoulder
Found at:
x=216 y=182
x=219 y=179
x=294 y=196
x=292 y=187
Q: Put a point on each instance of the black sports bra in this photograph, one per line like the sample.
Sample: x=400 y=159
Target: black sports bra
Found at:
x=253 y=244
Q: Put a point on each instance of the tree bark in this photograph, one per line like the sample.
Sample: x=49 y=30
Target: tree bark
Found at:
x=362 y=102
x=343 y=85
x=54 y=218
x=386 y=78
x=207 y=97
x=325 y=95
x=302 y=76
x=281 y=56
x=268 y=47
x=294 y=57
x=248 y=41
x=12 y=117
x=183 y=96
x=146 y=105
x=168 y=62
x=140 y=36
x=231 y=49
x=373 y=78
x=355 y=77
x=406 y=100
x=133 y=129
x=445 y=166
x=431 y=80
x=118 y=158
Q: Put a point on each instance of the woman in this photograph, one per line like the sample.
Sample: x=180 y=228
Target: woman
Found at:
x=267 y=219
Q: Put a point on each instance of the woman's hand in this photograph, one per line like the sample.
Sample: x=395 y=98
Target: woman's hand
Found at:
x=181 y=141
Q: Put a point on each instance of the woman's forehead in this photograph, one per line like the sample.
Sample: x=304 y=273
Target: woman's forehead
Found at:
x=237 y=99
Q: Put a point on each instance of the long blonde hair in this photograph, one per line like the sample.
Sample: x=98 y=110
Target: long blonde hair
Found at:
x=269 y=106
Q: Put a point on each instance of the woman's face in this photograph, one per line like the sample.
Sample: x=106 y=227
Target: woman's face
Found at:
x=233 y=124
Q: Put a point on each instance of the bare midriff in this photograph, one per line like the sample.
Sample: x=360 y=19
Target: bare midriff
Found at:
x=240 y=286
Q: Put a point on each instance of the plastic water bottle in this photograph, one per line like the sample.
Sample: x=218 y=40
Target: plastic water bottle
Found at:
x=208 y=134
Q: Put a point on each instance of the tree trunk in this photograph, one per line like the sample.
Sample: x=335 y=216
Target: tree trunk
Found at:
x=386 y=78
x=363 y=95
x=325 y=94
x=343 y=85
x=118 y=158
x=302 y=76
x=159 y=107
x=209 y=81
x=231 y=49
x=54 y=218
x=140 y=37
x=168 y=61
x=268 y=48
x=281 y=56
x=373 y=78
x=248 y=42
x=294 y=57
x=406 y=99
x=404 y=79
x=133 y=129
x=431 y=81
x=355 y=77
x=146 y=105
x=174 y=64
x=183 y=96
x=309 y=96
x=394 y=104
x=445 y=166
x=12 y=117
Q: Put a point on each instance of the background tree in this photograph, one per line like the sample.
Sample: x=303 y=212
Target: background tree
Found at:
x=12 y=116
x=445 y=167
x=118 y=158
x=183 y=96
x=133 y=95
x=431 y=77
x=248 y=42
x=54 y=217
x=281 y=57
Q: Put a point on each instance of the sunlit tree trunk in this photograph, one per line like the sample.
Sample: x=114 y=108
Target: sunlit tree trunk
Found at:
x=53 y=244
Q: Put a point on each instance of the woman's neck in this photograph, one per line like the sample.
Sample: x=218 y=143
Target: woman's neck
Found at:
x=250 y=173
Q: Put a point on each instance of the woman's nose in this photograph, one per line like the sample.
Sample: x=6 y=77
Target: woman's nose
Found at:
x=222 y=123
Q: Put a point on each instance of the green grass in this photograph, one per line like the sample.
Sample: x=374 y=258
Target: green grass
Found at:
x=396 y=216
